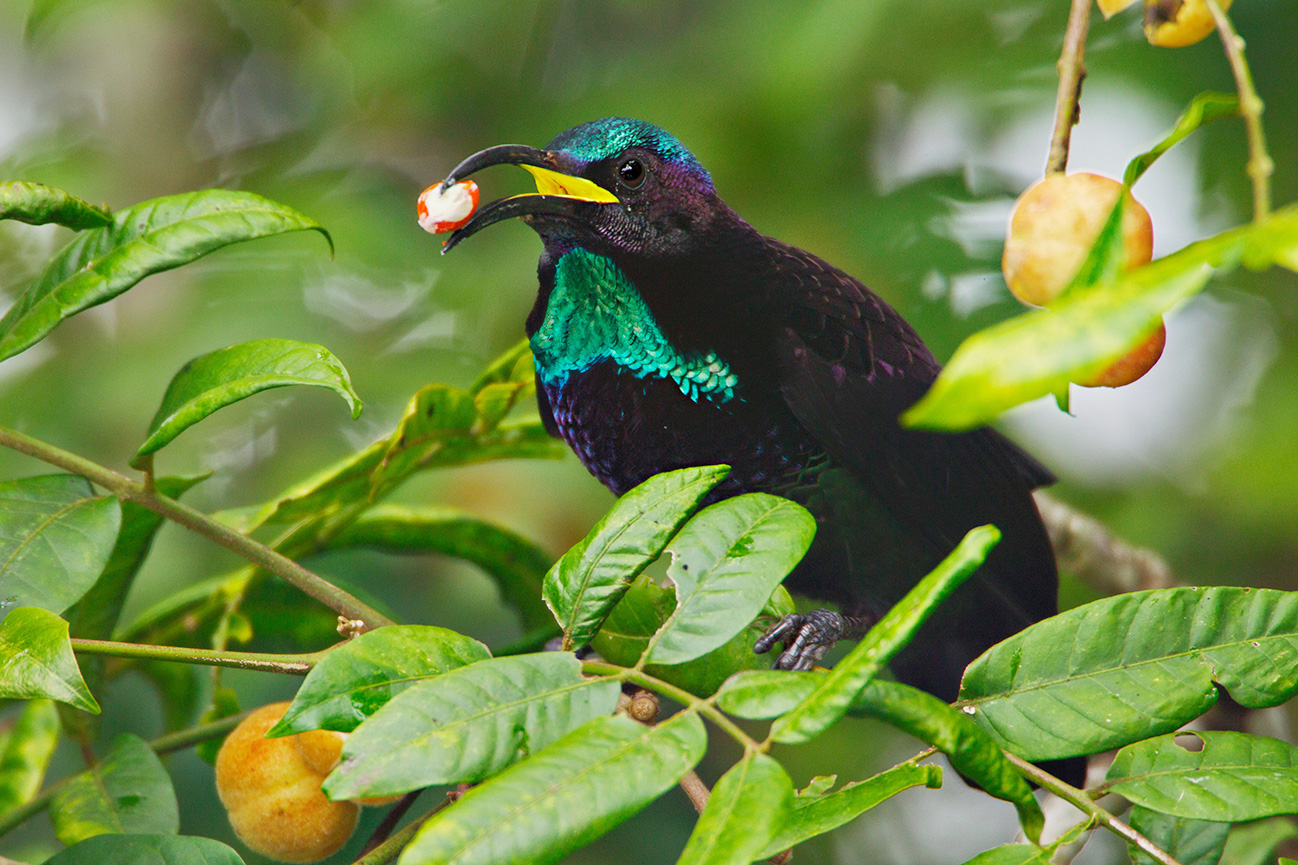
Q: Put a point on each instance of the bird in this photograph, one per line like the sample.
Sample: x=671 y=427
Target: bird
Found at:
x=668 y=332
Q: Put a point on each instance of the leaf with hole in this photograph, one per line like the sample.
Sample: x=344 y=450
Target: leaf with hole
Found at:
x=145 y=239
x=588 y=581
x=1234 y=777
x=469 y=723
x=359 y=677
x=1133 y=666
x=563 y=797
x=56 y=535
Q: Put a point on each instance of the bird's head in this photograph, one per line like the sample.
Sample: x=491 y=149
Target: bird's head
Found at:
x=613 y=186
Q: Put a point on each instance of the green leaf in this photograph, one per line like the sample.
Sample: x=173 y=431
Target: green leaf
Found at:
x=817 y=811
x=1189 y=842
x=1236 y=777
x=55 y=537
x=359 y=677
x=513 y=365
x=145 y=239
x=95 y=616
x=26 y=753
x=38 y=204
x=763 y=694
x=1014 y=854
x=747 y=804
x=972 y=752
x=468 y=724
x=516 y=564
x=1107 y=257
x=835 y=693
x=564 y=797
x=589 y=579
x=146 y=850
x=1255 y=843
x=220 y=378
x=1133 y=666
x=1205 y=108
x=36 y=660
x=642 y=611
x=726 y=562
x=1040 y=352
x=127 y=792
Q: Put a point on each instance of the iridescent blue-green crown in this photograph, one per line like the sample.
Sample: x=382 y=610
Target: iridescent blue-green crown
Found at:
x=603 y=139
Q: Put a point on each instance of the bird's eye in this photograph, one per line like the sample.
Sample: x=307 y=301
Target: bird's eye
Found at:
x=631 y=173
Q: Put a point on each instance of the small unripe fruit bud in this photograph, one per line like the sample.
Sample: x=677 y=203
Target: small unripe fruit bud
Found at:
x=1177 y=23
x=1053 y=227
x=1135 y=364
x=271 y=789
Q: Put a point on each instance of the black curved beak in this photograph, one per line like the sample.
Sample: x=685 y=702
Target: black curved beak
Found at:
x=558 y=194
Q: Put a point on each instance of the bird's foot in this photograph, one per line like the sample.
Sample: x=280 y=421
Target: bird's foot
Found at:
x=806 y=637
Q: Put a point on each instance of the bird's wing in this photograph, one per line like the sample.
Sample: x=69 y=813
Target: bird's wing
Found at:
x=849 y=364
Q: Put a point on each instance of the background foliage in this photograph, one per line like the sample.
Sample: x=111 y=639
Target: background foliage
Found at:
x=889 y=137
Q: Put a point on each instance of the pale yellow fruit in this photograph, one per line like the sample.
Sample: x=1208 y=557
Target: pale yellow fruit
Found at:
x=271 y=789
x=1053 y=227
x=1177 y=23
x=1113 y=7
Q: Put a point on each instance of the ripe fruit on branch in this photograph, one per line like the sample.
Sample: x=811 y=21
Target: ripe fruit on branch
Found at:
x=1052 y=229
x=1134 y=364
x=1177 y=23
x=271 y=789
x=1054 y=226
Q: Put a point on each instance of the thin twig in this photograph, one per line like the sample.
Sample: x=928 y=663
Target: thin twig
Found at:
x=1071 y=72
x=1260 y=165
x=390 y=821
x=391 y=848
x=197 y=521
x=1083 y=802
x=1087 y=549
x=698 y=792
x=293 y=665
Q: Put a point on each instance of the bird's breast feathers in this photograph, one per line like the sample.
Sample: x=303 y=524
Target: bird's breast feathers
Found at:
x=594 y=314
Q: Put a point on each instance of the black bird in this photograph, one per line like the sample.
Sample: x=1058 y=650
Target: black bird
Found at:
x=668 y=332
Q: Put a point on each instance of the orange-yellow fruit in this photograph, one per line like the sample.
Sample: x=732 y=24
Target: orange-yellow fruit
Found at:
x=1053 y=227
x=1131 y=367
x=1113 y=7
x=271 y=789
x=1177 y=23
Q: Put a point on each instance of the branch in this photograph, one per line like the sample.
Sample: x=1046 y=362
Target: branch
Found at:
x=197 y=521
x=1259 y=166
x=1071 y=72
x=1083 y=802
x=293 y=665
x=1085 y=547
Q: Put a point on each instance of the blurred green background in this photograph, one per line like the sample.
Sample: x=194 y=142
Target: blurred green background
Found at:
x=888 y=137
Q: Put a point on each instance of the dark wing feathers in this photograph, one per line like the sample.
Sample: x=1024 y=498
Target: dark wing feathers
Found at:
x=849 y=365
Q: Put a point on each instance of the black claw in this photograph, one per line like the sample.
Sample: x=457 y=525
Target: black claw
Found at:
x=807 y=637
